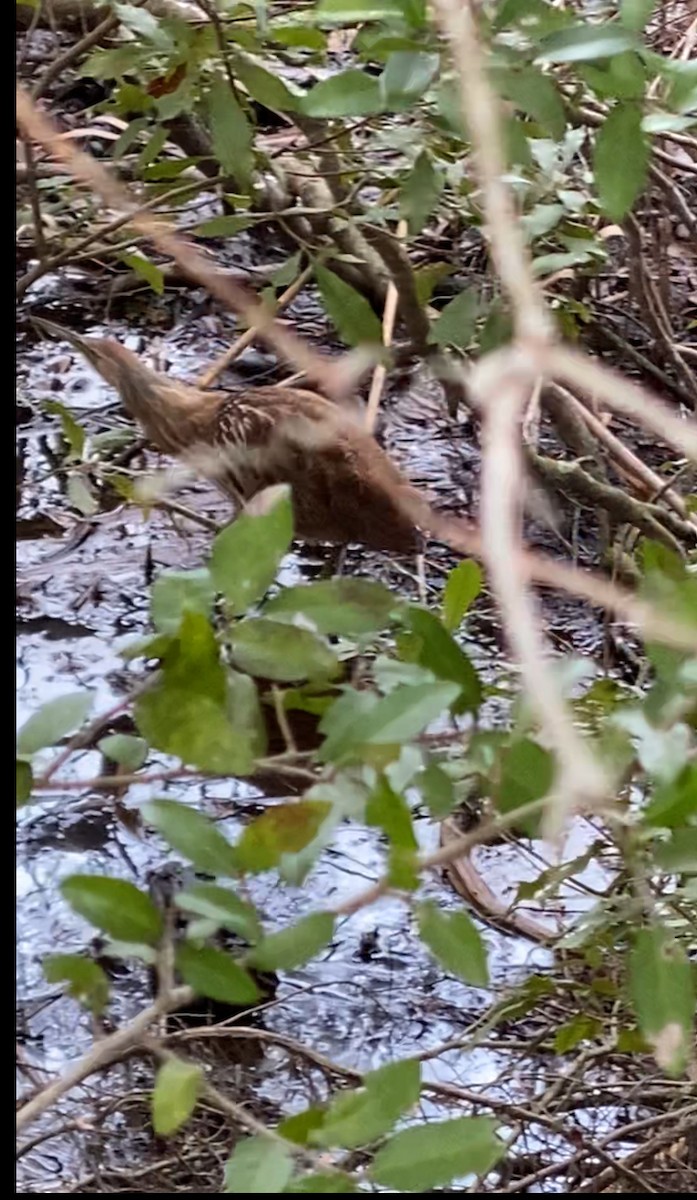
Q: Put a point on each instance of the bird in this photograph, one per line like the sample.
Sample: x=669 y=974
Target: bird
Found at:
x=344 y=487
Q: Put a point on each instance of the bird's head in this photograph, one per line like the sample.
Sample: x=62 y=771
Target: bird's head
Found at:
x=114 y=362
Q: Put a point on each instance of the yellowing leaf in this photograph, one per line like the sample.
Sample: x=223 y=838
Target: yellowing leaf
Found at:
x=177 y=1088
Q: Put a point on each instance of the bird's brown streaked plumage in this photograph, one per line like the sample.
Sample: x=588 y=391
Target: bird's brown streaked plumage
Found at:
x=344 y=487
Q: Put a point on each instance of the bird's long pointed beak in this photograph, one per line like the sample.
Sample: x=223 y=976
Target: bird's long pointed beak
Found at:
x=82 y=344
x=58 y=332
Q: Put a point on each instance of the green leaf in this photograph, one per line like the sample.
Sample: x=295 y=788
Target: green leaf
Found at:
x=535 y=95
x=407 y=75
x=86 y=980
x=351 y=93
x=548 y=264
x=347 y=309
x=112 y=64
x=682 y=77
x=439 y=653
x=247 y=554
x=223 y=906
x=517 y=141
x=437 y=790
x=454 y=942
x=434 y=1154
x=81 y=495
x=361 y=1117
x=664 y=122
x=679 y=854
x=193 y=835
x=662 y=752
x=344 y=607
x=288 y=271
x=147 y=269
x=669 y=585
x=350 y=12
x=298 y=35
x=258 y=1165
x=390 y=812
x=672 y=803
x=129 y=752
x=624 y=78
x=53 y=721
x=542 y=219
x=402 y=869
x=581 y=1028
x=347 y=711
x=148 y=154
x=244 y=710
x=463 y=585
x=635 y=14
x=324 y=1182
x=394 y=719
x=264 y=87
x=528 y=15
x=497 y=330
x=282 y=829
x=115 y=906
x=285 y=653
x=24 y=780
x=293 y=947
x=178 y=1086
x=73 y=433
x=223 y=226
x=114 y=948
x=526 y=774
x=215 y=974
x=176 y=592
x=130 y=134
x=583 y=43
x=419 y=192
x=143 y=23
x=231 y=133
x=456 y=324
x=194 y=729
x=427 y=276
x=662 y=992
x=185 y=713
x=299 y=1127
x=621 y=160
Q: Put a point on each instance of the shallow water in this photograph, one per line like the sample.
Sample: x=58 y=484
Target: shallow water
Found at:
x=375 y=995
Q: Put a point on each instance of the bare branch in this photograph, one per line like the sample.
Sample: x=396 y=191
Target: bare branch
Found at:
x=595 y=379
x=102 y=1054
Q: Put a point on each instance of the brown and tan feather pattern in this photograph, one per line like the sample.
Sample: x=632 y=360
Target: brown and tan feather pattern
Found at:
x=344 y=487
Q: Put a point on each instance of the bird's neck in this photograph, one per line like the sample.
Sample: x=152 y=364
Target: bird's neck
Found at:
x=172 y=415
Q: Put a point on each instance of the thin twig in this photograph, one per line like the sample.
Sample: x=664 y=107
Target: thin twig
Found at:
x=611 y=388
x=623 y=456
x=388 y=324
x=35 y=203
x=102 y=1054
x=245 y=339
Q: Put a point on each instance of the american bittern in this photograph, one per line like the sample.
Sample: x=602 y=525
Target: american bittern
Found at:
x=344 y=487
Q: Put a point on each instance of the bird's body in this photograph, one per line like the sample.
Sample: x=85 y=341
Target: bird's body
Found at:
x=344 y=487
